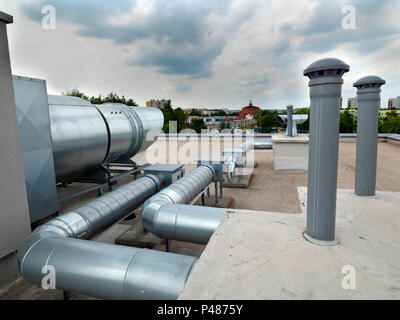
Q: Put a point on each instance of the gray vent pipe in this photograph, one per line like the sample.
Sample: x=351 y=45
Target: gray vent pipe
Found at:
x=85 y=136
x=289 y=130
x=325 y=91
x=368 y=96
x=296 y=119
x=100 y=269
x=166 y=216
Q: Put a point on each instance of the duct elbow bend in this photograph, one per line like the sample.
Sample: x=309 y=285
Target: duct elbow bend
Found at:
x=150 y=213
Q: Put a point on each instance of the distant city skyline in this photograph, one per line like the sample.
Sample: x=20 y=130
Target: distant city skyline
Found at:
x=203 y=54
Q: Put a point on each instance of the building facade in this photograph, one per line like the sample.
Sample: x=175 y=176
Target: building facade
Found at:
x=160 y=104
x=248 y=110
x=394 y=103
x=352 y=104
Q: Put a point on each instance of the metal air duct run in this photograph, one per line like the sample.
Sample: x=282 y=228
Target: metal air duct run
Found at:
x=85 y=135
x=100 y=269
x=166 y=216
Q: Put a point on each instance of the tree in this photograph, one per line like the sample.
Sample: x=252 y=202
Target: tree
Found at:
x=110 y=98
x=305 y=126
x=198 y=124
x=180 y=116
x=195 y=112
x=168 y=114
x=218 y=113
x=171 y=114
x=268 y=121
x=75 y=93
x=257 y=117
x=390 y=123
x=346 y=122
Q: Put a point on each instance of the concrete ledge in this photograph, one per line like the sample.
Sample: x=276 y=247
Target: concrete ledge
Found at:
x=282 y=138
x=290 y=153
x=263 y=255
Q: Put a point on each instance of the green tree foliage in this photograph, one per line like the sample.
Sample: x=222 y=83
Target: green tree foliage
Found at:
x=171 y=114
x=198 y=124
x=218 y=113
x=268 y=121
x=75 y=93
x=347 y=123
x=224 y=125
x=195 y=112
x=257 y=117
x=112 y=97
x=390 y=123
x=304 y=127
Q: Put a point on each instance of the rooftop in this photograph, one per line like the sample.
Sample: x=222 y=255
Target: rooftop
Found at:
x=273 y=202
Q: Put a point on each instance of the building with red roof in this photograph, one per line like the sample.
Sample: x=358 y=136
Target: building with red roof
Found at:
x=249 y=110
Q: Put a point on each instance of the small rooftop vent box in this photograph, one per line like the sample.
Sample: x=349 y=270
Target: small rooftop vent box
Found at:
x=238 y=156
x=223 y=166
x=169 y=172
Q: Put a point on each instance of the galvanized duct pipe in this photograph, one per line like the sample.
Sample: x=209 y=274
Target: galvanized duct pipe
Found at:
x=296 y=119
x=263 y=144
x=246 y=146
x=165 y=215
x=85 y=136
x=256 y=144
x=99 y=269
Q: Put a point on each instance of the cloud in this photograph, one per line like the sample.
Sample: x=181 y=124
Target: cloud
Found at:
x=183 y=88
x=322 y=31
x=177 y=37
x=210 y=53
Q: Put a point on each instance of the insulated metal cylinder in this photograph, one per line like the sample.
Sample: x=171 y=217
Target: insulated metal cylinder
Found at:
x=80 y=140
x=107 y=271
x=181 y=192
x=85 y=135
x=100 y=269
x=368 y=97
x=289 y=130
x=325 y=91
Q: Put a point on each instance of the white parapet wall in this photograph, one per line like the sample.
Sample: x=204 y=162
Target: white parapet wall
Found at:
x=264 y=255
x=290 y=153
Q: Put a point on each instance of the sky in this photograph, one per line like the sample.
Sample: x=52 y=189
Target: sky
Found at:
x=203 y=53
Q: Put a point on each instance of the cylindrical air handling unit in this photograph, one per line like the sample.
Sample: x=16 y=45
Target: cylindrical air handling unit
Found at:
x=86 y=135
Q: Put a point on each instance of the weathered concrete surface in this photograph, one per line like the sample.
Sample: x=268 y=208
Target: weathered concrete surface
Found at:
x=225 y=202
x=269 y=190
x=242 y=181
x=260 y=255
x=290 y=153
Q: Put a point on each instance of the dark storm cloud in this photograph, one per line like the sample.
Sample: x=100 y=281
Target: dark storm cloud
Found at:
x=323 y=31
x=183 y=40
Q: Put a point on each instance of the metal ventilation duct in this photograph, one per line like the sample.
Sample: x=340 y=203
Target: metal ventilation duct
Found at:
x=166 y=216
x=296 y=119
x=99 y=269
x=84 y=135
